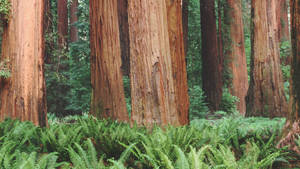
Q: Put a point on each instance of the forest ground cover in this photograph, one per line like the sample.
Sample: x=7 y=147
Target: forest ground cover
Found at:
x=85 y=142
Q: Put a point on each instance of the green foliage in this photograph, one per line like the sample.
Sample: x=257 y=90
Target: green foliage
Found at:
x=285 y=55
x=194 y=63
x=228 y=102
x=68 y=70
x=198 y=106
x=4 y=69
x=4 y=9
x=230 y=142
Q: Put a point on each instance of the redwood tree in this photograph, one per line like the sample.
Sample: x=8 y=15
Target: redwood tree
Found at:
x=124 y=35
x=108 y=98
x=235 y=52
x=265 y=95
x=211 y=70
x=152 y=84
x=73 y=20
x=176 y=40
x=23 y=93
x=62 y=22
x=292 y=128
x=282 y=20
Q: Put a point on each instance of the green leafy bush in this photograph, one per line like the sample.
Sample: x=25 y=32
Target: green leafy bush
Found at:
x=230 y=142
x=228 y=102
x=198 y=106
x=4 y=69
x=4 y=9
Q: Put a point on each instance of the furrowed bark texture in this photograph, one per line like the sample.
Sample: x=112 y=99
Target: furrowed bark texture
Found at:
x=211 y=72
x=73 y=20
x=235 y=52
x=62 y=22
x=266 y=95
x=185 y=24
x=108 y=99
x=124 y=35
x=292 y=127
x=23 y=93
x=152 y=85
x=176 y=40
x=295 y=69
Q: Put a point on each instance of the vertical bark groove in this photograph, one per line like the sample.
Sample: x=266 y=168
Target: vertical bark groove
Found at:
x=124 y=35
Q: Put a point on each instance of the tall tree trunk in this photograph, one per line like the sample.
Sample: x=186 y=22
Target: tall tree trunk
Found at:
x=152 y=85
x=283 y=27
x=220 y=38
x=108 y=99
x=211 y=73
x=292 y=128
x=265 y=95
x=235 y=52
x=282 y=20
x=73 y=20
x=124 y=35
x=23 y=93
x=62 y=22
x=185 y=24
x=176 y=41
x=48 y=30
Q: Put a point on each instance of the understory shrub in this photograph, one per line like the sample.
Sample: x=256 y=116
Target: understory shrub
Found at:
x=231 y=142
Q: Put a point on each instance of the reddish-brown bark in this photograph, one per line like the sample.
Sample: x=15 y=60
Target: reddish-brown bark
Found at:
x=48 y=30
x=23 y=93
x=235 y=52
x=62 y=22
x=73 y=20
x=176 y=41
x=220 y=37
x=124 y=35
x=265 y=95
x=282 y=20
x=152 y=84
x=292 y=128
x=108 y=99
x=211 y=72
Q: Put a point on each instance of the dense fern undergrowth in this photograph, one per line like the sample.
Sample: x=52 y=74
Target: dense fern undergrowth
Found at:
x=83 y=142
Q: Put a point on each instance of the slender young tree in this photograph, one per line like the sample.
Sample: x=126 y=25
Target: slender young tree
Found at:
x=292 y=129
x=176 y=40
x=265 y=95
x=48 y=30
x=185 y=23
x=108 y=99
x=152 y=84
x=23 y=93
x=124 y=35
x=282 y=20
x=211 y=70
x=62 y=22
x=73 y=20
x=234 y=50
